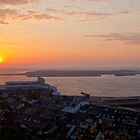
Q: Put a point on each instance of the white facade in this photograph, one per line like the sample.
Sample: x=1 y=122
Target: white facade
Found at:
x=74 y=109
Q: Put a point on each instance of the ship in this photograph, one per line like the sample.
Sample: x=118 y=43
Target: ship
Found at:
x=28 y=87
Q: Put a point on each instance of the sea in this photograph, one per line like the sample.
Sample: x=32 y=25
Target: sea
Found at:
x=104 y=86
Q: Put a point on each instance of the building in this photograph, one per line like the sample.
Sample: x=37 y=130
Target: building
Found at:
x=74 y=106
x=27 y=87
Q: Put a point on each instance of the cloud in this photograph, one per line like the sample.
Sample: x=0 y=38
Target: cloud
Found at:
x=129 y=38
x=80 y=14
x=15 y=2
x=98 y=0
x=93 y=0
x=32 y=15
x=8 y=15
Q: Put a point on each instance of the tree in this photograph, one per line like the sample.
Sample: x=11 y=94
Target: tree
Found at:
x=5 y=104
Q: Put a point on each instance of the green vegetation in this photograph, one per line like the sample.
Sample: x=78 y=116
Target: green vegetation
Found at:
x=5 y=104
x=35 y=96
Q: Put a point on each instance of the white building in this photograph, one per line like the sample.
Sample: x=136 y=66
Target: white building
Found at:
x=74 y=106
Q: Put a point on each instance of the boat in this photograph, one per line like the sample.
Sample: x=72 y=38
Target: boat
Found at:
x=27 y=87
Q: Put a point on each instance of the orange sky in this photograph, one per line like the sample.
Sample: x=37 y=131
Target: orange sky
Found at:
x=68 y=33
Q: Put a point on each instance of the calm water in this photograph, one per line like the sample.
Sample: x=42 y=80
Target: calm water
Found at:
x=97 y=86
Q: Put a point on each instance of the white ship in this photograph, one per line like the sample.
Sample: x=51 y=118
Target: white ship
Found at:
x=26 y=87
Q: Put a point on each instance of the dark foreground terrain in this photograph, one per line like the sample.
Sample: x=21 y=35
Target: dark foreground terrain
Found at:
x=42 y=116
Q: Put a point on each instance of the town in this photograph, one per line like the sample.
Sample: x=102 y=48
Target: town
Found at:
x=36 y=110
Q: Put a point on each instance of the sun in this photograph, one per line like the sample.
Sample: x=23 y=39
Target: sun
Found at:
x=1 y=60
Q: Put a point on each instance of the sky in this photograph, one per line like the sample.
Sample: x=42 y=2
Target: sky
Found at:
x=65 y=34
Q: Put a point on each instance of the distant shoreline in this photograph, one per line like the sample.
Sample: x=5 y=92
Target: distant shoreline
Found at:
x=81 y=73
x=10 y=74
x=75 y=73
